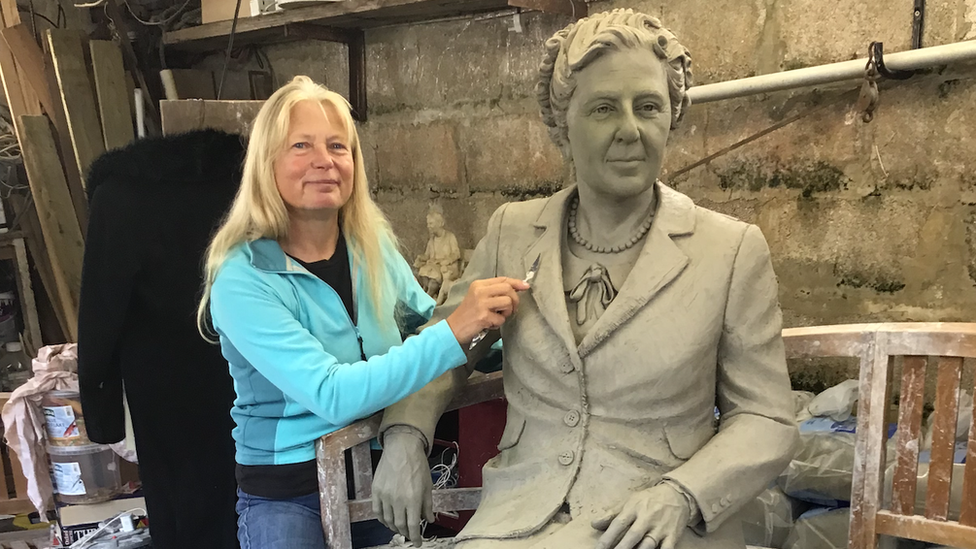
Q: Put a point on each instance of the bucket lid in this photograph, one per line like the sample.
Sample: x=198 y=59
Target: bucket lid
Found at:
x=64 y=393
x=77 y=450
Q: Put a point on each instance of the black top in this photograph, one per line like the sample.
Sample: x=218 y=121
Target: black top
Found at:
x=300 y=479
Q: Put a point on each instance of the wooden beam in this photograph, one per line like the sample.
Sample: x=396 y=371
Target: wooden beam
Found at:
x=347 y=14
x=29 y=56
x=28 y=306
x=229 y=116
x=112 y=94
x=61 y=232
x=951 y=534
x=574 y=8
x=20 y=96
x=357 y=74
x=75 y=90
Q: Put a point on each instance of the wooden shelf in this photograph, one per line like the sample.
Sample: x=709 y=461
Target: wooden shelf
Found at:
x=338 y=21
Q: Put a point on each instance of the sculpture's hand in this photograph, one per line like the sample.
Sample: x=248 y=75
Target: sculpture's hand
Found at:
x=651 y=518
x=402 y=486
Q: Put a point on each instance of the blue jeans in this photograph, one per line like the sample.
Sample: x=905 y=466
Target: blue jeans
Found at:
x=294 y=523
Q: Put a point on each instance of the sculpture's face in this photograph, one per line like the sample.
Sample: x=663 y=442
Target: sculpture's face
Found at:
x=618 y=120
x=435 y=222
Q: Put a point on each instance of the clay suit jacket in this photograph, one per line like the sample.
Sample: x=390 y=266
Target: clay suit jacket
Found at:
x=696 y=326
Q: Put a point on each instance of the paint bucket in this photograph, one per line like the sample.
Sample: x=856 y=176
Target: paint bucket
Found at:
x=63 y=418
x=85 y=474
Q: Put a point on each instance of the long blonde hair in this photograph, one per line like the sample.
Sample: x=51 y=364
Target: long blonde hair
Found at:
x=258 y=210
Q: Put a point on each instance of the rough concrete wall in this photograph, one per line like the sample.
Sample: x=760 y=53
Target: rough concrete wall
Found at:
x=866 y=222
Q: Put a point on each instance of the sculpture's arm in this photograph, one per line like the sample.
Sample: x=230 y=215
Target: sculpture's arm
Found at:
x=402 y=484
x=423 y=409
x=757 y=433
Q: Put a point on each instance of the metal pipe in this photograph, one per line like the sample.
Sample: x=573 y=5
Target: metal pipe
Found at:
x=922 y=58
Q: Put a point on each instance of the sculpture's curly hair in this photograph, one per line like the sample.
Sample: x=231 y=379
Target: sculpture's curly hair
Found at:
x=579 y=44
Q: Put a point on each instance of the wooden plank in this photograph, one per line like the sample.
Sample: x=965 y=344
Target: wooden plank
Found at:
x=28 y=306
x=20 y=95
x=347 y=14
x=29 y=56
x=109 y=75
x=5 y=489
x=333 y=498
x=75 y=90
x=909 y=425
x=229 y=116
x=949 y=534
x=943 y=438
x=59 y=226
x=453 y=499
x=20 y=481
x=16 y=506
x=38 y=255
x=362 y=470
x=869 y=451
x=967 y=515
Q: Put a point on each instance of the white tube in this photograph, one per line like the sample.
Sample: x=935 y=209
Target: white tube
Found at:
x=835 y=72
x=140 y=115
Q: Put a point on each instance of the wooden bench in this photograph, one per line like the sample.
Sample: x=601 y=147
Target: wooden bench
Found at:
x=876 y=346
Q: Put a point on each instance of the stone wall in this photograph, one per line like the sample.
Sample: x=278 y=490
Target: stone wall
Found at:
x=866 y=221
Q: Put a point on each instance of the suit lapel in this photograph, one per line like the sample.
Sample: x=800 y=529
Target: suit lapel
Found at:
x=660 y=262
x=547 y=288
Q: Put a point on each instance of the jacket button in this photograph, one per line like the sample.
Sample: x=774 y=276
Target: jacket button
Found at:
x=572 y=418
x=566 y=458
x=726 y=501
x=567 y=367
x=715 y=508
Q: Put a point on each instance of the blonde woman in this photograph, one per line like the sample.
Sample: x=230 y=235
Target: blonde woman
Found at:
x=309 y=296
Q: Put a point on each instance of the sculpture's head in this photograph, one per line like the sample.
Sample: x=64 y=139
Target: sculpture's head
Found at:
x=611 y=88
x=435 y=221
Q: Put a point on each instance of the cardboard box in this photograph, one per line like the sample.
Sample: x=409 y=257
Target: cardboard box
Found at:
x=223 y=10
x=77 y=521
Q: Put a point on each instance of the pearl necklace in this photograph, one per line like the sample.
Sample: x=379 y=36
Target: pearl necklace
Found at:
x=574 y=232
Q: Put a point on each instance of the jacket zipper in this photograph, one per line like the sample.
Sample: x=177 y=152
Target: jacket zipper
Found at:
x=359 y=336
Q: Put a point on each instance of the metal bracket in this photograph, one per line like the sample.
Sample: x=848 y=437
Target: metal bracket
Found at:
x=918 y=24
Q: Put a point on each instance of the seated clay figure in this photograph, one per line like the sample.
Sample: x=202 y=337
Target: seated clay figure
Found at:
x=438 y=267
x=647 y=389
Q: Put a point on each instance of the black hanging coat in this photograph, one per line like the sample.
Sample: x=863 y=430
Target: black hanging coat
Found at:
x=153 y=207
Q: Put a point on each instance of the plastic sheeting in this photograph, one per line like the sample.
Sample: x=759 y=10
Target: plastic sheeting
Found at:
x=768 y=520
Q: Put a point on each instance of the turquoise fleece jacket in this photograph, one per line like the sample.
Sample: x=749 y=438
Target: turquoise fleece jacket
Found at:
x=297 y=358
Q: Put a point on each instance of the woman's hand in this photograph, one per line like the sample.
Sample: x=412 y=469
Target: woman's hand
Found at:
x=656 y=517
x=485 y=307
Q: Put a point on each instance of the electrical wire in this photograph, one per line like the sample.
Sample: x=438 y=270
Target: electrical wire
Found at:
x=152 y=23
x=230 y=48
x=48 y=19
